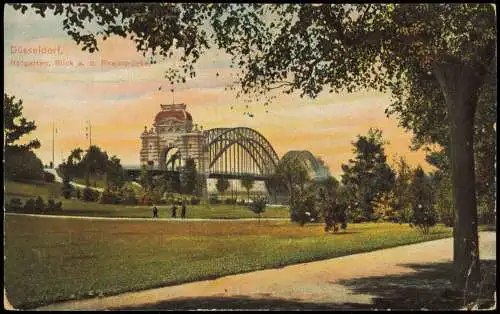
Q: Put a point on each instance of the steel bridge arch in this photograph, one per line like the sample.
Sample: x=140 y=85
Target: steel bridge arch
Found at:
x=219 y=140
x=308 y=160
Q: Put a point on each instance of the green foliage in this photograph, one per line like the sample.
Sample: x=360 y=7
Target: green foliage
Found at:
x=96 y=163
x=29 y=206
x=222 y=185
x=230 y=201
x=90 y=195
x=303 y=209
x=15 y=204
x=424 y=214
x=53 y=206
x=368 y=175
x=292 y=174
x=39 y=205
x=332 y=205
x=128 y=196
x=108 y=197
x=66 y=187
x=49 y=177
x=441 y=184
x=15 y=125
x=247 y=181
x=188 y=176
x=195 y=201
x=22 y=164
x=258 y=205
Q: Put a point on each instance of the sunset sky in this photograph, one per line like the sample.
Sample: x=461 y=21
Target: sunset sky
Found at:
x=120 y=100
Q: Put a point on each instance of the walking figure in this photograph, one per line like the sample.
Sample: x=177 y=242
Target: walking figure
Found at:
x=183 y=210
x=155 y=212
x=174 y=211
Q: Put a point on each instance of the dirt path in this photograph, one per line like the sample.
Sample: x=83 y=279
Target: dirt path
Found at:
x=74 y=184
x=142 y=219
x=356 y=281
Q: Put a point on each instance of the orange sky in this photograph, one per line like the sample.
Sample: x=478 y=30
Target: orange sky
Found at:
x=120 y=101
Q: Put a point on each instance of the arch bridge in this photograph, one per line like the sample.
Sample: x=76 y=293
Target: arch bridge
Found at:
x=234 y=152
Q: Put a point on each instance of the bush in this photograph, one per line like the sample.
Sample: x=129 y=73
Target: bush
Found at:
x=66 y=188
x=49 y=177
x=213 y=200
x=21 y=164
x=241 y=202
x=108 y=197
x=195 y=201
x=146 y=199
x=29 y=206
x=39 y=205
x=90 y=195
x=485 y=215
x=258 y=206
x=15 y=204
x=303 y=208
x=78 y=194
x=52 y=206
x=230 y=201
x=128 y=196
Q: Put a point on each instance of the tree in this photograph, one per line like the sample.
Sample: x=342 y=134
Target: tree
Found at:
x=222 y=185
x=247 y=182
x=115 y=175
x=424 y=215
x=308 y=47
x=15 y=125
x=292 y=173
x=21 y=163
x=400 y=200
x=258 y=206
x=368 y=175
x=66 y=187
x=188 y=176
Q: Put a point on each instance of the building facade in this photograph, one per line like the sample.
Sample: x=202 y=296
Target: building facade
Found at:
x=172 y=139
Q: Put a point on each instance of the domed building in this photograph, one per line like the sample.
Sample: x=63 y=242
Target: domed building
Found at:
x=172 y=139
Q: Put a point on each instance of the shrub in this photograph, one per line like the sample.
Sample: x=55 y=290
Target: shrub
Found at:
x=485 y=214
x=128 y=196
x=230 y=201
x=58 y=206
x=50 y=205
x=66 y=188
x=213 y=200
x=195 y=201
x=15 y=204
x=90 y=195
x=241 y=202
x=78 y=194
x=21 y=164
x=53 y=206
x=258 y=206
x=146 y=199
x=29 y=206
x=108 y=197
x=303 y=208
x=39 y=205
x=49 y=177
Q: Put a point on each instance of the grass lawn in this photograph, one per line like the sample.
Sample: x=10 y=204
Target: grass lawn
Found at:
x=81 y=208
x=50 y=259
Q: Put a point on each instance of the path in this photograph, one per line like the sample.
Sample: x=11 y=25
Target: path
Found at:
x=143 y=219
x=366 y=280
x=76 y=185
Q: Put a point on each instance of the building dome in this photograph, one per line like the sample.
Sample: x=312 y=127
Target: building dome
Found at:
x=177 y=112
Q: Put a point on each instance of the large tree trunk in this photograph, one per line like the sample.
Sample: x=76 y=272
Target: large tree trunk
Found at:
x=460 y=84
